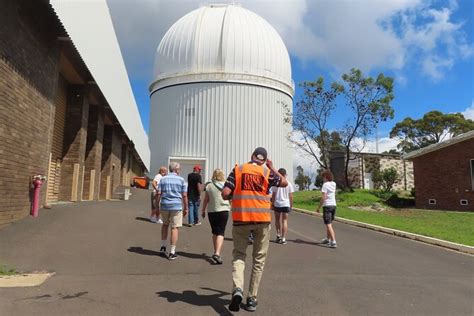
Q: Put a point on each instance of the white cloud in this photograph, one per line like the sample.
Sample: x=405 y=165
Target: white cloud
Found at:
x=469 y=112
x=338 y=35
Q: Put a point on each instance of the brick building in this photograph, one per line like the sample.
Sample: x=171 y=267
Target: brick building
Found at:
x=55 y=119
x=444 y=174
x=363 y=165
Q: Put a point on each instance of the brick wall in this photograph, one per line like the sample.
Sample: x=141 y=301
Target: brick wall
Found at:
x=444 y=175
x=28 y=83
x=95 y=134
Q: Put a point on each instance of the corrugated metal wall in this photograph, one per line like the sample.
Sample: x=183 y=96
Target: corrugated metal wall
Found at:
x=222 y=122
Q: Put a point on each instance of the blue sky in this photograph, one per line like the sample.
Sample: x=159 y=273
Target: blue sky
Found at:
x=426 y=46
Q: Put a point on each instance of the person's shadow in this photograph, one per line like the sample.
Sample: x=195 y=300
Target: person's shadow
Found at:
x=190 y=255
x=300 y=241
x=191 y=297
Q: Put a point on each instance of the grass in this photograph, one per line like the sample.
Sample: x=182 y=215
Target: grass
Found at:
x=4 y=270
x=447 y=225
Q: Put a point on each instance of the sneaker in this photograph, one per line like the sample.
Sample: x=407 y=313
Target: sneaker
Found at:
x=153 y=219
x=325 y=241
x=332 y=244
x=172 y=256
x=250 y=241
x=278 y=239
x=251 y=305
x=163 y=251
x=159 y=221
x=283 y=241
x=197 y=224
x=237 y=297
x=217 y=259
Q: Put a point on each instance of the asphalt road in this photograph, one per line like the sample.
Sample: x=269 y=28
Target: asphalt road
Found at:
x=105 y=256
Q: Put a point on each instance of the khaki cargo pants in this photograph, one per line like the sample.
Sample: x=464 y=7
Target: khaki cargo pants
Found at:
x=240 y=234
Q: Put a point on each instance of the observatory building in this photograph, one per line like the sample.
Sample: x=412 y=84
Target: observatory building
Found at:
x=221 y=80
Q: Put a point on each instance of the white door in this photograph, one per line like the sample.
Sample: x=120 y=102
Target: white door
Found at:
x=187 y=165
x=368 y=183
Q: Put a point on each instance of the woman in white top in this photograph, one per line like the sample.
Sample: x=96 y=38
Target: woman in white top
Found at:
x=328 y=202
x=218 y=210
x=282 y=203
x=155 y=213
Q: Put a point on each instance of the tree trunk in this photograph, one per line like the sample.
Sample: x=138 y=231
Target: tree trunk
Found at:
x=347 y=185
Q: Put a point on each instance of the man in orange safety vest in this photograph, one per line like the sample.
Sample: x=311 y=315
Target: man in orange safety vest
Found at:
x=248 y=187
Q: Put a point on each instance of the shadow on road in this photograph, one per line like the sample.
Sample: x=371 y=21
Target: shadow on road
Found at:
x=300 y=241
x=191 y=297
x=144 y=219
x=190 y=255
x=146 y=252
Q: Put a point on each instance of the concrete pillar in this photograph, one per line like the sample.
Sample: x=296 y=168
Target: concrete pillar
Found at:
x=93 y=159
x=125 y=165
x=75 y=139
x=110 y=169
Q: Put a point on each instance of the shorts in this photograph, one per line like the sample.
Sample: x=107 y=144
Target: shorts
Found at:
x=172 y=218
x=285 y=209
x=154 y=205
x=329 y=212
x=218 y=222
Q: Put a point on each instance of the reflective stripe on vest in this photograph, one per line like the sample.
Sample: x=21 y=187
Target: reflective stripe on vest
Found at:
x=250 y=201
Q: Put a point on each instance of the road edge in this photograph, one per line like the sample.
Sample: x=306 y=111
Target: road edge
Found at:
x=399 y=233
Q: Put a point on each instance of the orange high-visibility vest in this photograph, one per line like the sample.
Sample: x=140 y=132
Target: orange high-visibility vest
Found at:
x=251 y=201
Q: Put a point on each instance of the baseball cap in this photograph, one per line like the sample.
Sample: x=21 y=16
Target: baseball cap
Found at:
x=260 y=153
x=197 y=167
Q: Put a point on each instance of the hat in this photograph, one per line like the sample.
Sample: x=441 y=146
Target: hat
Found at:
x=260 y=153
x=197 y=167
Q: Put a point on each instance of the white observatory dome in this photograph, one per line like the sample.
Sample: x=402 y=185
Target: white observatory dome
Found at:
x=221 y=87
x=222 y=43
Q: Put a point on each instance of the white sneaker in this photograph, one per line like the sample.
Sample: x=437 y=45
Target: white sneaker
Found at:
x=332 y=244
x=325 y=241
x=159 y=221
x=153 y=219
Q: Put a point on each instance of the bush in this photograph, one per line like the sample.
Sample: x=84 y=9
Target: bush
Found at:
x=399 y=202
x=385 y=179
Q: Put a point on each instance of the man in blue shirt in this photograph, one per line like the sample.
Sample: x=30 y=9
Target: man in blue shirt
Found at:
x=172 y=199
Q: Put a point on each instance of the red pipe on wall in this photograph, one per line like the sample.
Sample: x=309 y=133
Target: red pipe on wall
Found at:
x=36 y=196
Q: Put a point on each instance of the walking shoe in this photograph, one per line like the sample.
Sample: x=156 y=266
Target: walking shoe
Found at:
x=153 y=219
x=237 y=297
x=163 y=249
x=250 y=241
x=172 y=256
x=283 y=241
x=325 y=241
x=197 y=224
x=332 y=244
x=159 y=221
x=251 y=305
x=278 y=239
x=217 y=259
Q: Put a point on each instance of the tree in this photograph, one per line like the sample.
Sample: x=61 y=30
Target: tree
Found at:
x=369 y=101
x=302 y=181
x=310 y=116
x=385 y=179
x=432 y=128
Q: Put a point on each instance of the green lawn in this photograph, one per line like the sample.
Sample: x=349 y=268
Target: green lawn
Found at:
x=451 y=226
x=4 y=270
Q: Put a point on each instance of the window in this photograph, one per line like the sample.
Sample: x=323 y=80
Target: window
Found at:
x=472 y=174
x=464 y=202
x=432 y=201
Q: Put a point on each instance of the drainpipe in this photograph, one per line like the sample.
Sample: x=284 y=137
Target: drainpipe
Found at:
x=37 y=182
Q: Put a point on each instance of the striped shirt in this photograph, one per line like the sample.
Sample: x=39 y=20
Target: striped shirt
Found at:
x=171 y=188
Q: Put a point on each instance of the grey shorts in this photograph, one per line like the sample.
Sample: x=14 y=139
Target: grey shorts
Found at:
x=285 y=209
x=329 y=212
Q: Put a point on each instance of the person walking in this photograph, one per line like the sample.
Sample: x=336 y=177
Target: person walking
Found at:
x=248 y=186
x=155 y=213
x=194 y=195
x=328 y=202
x=282 y=202
x=172 y=197
x=218 y=210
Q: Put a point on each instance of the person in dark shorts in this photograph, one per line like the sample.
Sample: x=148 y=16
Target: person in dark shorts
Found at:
x=218 y=210
x=282 y=203
x=194 y=195
x=328 y=202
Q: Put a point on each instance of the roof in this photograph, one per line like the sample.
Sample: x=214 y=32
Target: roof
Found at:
x=223 y=43
x=434 y=147
x=96 y=42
